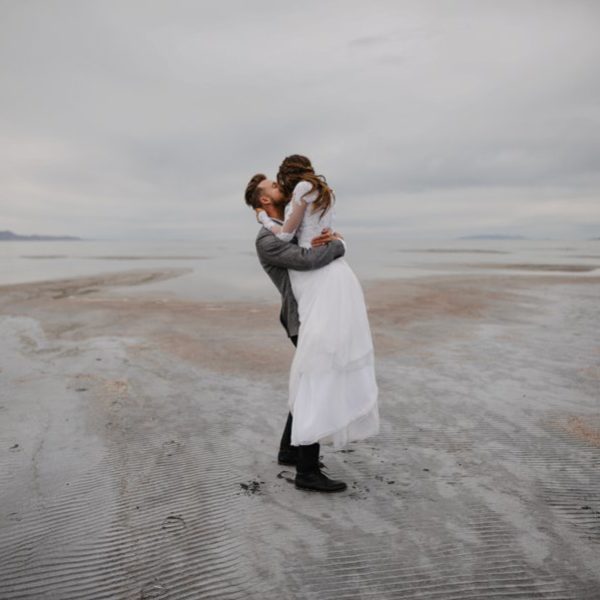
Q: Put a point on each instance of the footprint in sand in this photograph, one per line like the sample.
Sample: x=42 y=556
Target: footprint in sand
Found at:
x=173 y=523
x=154 y=589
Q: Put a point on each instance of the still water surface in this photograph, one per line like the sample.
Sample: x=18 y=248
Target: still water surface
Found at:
x=229 y=269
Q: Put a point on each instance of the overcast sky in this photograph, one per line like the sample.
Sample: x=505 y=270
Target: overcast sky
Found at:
x=145 y=119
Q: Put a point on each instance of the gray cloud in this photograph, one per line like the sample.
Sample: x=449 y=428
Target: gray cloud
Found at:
x=369 y=40
x=136 y=118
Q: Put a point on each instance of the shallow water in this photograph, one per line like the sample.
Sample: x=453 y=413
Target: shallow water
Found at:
x=229 y=269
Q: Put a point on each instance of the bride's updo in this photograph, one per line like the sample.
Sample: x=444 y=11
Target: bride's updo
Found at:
x=296 y=168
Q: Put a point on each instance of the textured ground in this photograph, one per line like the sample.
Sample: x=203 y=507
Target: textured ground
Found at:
x=138 y=436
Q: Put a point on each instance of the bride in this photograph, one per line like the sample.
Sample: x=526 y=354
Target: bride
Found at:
x=332 y=387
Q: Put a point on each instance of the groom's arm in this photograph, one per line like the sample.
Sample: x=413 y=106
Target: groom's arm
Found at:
x=277 y=253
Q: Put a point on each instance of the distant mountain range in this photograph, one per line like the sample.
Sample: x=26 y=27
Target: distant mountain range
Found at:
x=10 y=236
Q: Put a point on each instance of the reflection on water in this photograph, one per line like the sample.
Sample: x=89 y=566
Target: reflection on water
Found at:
x=230 y=270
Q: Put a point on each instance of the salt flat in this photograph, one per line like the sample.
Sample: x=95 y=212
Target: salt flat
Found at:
x=138 y=436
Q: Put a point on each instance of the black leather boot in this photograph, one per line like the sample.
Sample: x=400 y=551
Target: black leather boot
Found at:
x=309 y=475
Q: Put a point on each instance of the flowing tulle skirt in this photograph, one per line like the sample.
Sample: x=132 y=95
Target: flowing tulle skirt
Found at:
x=333 y=392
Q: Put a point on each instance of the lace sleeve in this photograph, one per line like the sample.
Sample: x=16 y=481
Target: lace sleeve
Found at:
x=293 y=218
x=268 y=223
x=292 y=221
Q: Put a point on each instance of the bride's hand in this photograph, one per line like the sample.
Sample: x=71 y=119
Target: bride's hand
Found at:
x=327 y=235
x=258 y=211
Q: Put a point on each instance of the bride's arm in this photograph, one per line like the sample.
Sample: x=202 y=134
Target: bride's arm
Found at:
x=294 y=216
x=292 y=221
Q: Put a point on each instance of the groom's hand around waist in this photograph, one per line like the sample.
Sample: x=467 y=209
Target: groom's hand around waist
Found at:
x=272 y=252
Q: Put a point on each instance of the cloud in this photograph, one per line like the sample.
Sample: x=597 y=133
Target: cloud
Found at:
x=125 y=117
x=369 y=40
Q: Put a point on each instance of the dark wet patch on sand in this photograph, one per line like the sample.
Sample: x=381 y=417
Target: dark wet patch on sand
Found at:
x=43 y=256
x=453 y=251
x=124 y=257
x=250 y=488
x=64 y=288
x=539 y=267
x=133 y=257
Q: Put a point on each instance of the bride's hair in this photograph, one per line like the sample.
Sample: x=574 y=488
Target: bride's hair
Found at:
x=296 y=168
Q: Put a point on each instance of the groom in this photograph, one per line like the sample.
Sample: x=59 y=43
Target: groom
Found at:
x=276 y=257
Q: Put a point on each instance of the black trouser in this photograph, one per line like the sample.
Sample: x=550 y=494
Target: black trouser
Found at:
x=308 y=456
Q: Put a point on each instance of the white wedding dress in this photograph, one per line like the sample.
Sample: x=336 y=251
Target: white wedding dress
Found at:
x=332 y=388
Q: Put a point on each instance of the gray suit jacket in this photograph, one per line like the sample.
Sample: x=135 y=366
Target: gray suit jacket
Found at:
x=276 y=257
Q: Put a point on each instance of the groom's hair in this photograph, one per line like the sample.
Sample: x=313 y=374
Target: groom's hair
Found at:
x=252 y=195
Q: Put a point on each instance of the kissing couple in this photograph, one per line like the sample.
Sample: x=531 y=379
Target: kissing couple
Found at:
x=332 y=386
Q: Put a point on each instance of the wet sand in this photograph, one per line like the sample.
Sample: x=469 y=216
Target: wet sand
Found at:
x=573 y=268
x=138 y=437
